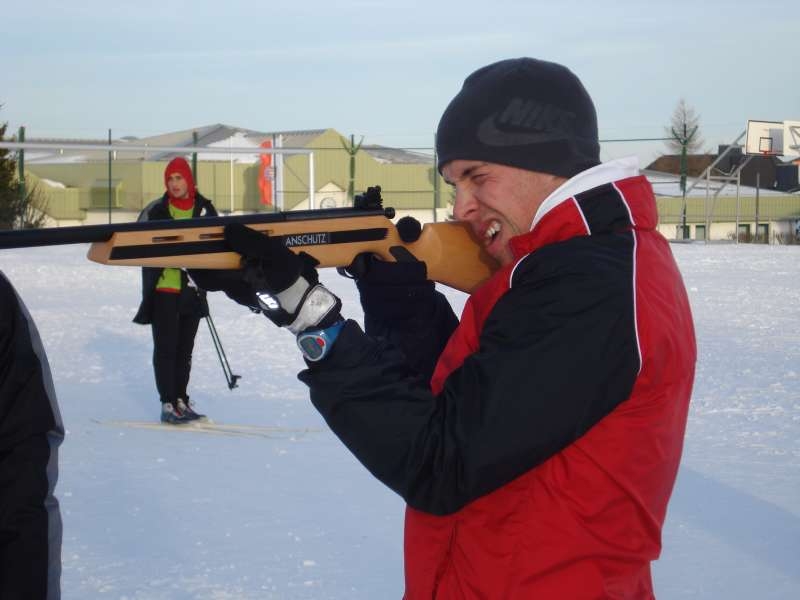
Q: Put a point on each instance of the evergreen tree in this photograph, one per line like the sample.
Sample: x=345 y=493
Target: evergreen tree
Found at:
x=9 y=187
x=18 y=209
x=684 y=127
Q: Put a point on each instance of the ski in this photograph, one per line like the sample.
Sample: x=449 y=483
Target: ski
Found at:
x=213 y=428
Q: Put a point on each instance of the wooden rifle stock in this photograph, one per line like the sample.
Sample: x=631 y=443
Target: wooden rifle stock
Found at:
x=333 y=236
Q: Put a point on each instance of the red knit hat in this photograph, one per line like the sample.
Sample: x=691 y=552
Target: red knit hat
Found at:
x=179 y=165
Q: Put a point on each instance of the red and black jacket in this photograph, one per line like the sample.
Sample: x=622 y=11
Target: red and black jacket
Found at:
x=539 y=460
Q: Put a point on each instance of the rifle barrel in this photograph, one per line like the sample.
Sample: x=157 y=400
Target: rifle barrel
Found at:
x=87 y=234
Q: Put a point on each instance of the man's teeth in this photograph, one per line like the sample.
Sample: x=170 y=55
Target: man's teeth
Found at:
x=493 y=230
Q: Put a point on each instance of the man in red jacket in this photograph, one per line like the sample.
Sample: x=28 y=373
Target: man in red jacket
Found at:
x=536 y=440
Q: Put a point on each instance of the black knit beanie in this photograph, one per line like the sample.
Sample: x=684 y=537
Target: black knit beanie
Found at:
x=525 y=113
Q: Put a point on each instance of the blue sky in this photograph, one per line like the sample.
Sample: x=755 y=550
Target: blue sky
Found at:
x=386 y=70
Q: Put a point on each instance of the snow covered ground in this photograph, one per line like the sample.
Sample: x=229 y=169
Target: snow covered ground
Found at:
x=288 y=513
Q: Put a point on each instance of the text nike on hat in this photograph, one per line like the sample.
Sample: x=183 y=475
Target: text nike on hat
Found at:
x=525 y=113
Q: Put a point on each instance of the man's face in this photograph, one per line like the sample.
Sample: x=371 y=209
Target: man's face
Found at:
x=178 y=187
x=497 y=201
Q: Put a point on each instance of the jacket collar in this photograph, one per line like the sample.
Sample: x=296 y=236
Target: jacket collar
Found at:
x=609 y=197
x=613 y=170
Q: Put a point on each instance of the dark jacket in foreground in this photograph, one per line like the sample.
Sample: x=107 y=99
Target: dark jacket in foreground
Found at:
x=539 y=460
x=30 y=434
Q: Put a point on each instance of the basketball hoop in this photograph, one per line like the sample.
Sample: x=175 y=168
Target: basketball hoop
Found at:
x=764 y=138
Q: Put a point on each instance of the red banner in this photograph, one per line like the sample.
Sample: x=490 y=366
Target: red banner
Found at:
x=266 y=175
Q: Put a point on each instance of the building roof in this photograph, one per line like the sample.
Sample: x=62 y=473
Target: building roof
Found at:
x=384 y=154
x=668 y=185
x=698 y=163
x=210 y=135
x=217 y=134
x=671 y=163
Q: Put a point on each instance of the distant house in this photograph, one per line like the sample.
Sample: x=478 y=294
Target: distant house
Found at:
x=737 y=196
x=765 y=172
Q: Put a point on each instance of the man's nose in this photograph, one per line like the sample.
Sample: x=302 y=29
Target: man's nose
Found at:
x=464 y=205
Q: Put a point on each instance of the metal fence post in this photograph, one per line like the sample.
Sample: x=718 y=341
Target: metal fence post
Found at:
x=21 y=165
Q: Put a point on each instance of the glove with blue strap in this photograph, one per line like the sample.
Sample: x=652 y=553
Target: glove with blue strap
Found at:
x=286 y=285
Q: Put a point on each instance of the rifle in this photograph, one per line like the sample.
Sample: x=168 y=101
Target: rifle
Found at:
x=333 y=236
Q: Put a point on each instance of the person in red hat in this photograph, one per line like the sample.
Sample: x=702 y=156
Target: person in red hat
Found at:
x=172 y=303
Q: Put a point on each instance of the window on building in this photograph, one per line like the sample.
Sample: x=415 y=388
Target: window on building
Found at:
x=762 y=235
x=744 y=232
x=700 y=232
x=682 y=232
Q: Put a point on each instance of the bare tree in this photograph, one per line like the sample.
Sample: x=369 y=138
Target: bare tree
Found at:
x=684 y=129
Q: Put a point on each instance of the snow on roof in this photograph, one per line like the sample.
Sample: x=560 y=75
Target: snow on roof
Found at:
x=669 y=185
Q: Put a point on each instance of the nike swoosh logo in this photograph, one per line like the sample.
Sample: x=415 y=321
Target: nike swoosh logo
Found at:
x=490 y=135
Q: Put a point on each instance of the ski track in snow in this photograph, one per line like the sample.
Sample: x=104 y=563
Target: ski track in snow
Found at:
x=152 y=515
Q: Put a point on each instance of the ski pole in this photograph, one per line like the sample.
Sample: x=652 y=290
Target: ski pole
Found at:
x=226 y=367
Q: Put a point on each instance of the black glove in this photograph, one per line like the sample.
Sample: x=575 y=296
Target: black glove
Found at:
x=402 y=305
x=393 y=290
x=286 y=284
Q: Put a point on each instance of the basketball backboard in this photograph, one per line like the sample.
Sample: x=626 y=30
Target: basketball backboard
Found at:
x=791 y=139
x=764 y=138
